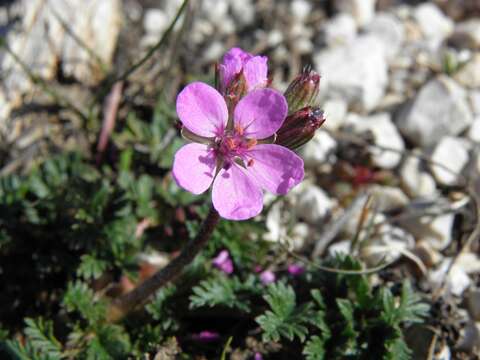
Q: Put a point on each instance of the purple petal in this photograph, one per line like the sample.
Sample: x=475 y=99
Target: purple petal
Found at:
x=232 y=63
x=267 y=277
x=261 y=113
x=206 y=336
x=235 y=195
x=276 y=168
x=221 y=257
x=255 y=71
x=223 y=262
x=202 y=109
x=194 y=167
x=258 y=356
x=295 y=269
x=227 y=267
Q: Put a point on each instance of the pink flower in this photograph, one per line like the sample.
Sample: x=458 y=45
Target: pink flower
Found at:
x=295 y=269
x=230 y=154
x=253 y=68
x=223 y=262
x=267 y=277
x=206 y=336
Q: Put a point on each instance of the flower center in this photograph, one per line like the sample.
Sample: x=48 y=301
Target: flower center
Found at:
x=233 y=145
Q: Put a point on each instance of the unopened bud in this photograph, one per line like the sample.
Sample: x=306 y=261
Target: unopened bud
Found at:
x=303 y=90
x=299 y=127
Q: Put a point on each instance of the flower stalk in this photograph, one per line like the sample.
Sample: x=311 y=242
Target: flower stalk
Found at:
x=120 y=307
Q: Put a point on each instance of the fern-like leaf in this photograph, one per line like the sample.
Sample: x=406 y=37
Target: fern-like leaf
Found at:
x=284 y=319
x=314 y=348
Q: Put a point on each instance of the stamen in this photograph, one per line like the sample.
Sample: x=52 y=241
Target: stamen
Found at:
x=250 y=162
x=230 y=143
x=239 y=129
x=251 y=143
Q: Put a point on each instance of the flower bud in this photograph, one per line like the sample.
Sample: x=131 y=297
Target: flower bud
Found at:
x=299 y=127
x=303 y=90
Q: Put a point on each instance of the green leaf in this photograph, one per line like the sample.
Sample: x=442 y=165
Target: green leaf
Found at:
x=91 y=267
x=314 y=348
x=221 y=290
x=409 y=308
x=79 y=297
x=397 y=349
x=40 y=336
x=284 y=319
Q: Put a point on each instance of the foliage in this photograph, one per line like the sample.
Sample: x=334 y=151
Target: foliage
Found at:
x=284 y=319
x=224 y=291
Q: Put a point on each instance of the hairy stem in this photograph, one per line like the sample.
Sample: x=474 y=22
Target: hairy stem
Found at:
x=138 y=296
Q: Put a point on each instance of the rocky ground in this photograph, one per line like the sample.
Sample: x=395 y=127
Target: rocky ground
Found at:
x=395 y=166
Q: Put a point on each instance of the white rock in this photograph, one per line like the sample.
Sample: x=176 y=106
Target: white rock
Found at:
x=473 y=303
x=467 y=34
x=470 y=342
x=243 y=11
x=98 y=27
x=362 y=10
x=469 y=74
x=444 y=353
x=437 y=231
x=339 y=247
x=356 y=72
x=274 y=223
x=351 y=227
x=474 y=98
x=456 y=282
x=317 y=151
x=474 y=130
x=42 y=43
x=416 y=181
x=389 y=30
x=299 y=235
x=469 y=262
x=385 y=134
x=335 y=113
x=214 y=51
x=439 y=109
x=433 y=23
x=388 y=243
x=300 y=9
x=155 y=21
x=215 y=10
x=275 y=37
x=313 y=204
x=341 y=29
x=303 y=46
x=387 y=198
x=452 y=153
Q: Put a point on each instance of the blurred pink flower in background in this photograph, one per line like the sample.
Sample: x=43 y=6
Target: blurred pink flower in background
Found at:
x=267 y=277
x=295 y=269
x=206 y=336
x=223 y=262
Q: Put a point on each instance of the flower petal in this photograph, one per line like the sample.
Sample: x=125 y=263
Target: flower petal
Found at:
x=202 y=109
x=235 y=195
x=232 y=63
x=261 y=113
x=276 y=168
x=194 y=167
x=255 y=71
